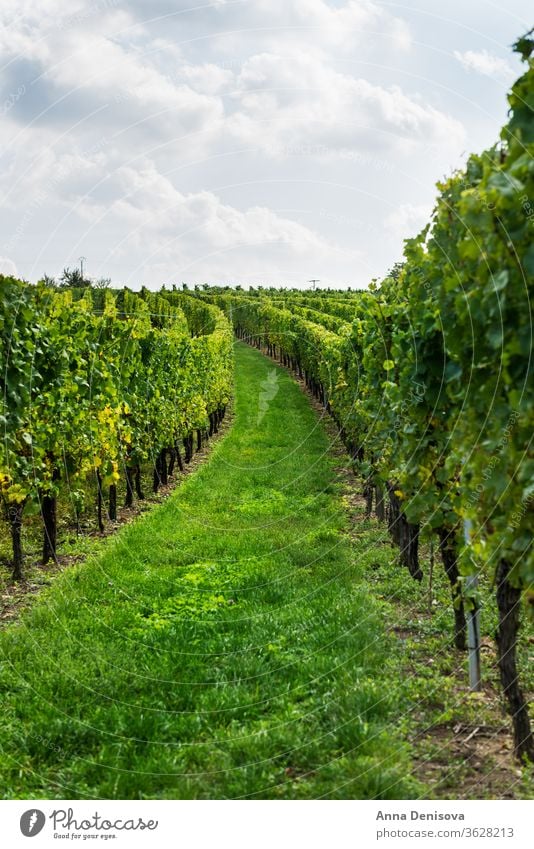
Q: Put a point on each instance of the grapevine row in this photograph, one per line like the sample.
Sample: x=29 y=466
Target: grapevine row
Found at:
x=431 y=382
x=93 y=384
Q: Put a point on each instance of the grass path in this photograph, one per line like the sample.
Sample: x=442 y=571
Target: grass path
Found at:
x=221 y=646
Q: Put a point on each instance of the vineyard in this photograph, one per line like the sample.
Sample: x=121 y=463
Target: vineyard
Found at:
x=232 y=642
x=97 y=383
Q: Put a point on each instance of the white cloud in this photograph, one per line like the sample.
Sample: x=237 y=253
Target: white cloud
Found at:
x=8 y=267
x=196 y=235
x=407 y=220
x=101 y=66
x=200 y=139
x=292 y=100
x=272 y=23
x=483 y=62
x=207 y=78
x=122 y=92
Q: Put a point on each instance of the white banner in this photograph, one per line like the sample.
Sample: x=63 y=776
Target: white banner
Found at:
x=268 y=824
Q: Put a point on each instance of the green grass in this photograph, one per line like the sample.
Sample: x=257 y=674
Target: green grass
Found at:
x=222 y=646
x=430 y=678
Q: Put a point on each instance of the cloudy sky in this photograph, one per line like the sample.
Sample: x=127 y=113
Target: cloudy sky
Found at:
x=239 y=141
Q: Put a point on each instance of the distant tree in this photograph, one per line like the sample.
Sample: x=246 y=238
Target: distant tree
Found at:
x=72 y=278
x=46 y=280
x=102 y=283
x=185 y=287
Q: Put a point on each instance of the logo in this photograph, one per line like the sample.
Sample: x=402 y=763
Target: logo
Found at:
x=269 y=388
x=32 y=822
